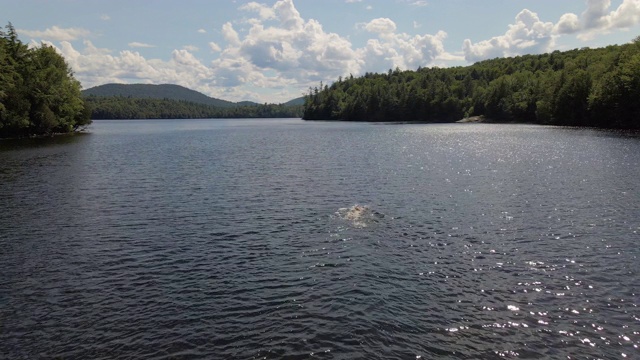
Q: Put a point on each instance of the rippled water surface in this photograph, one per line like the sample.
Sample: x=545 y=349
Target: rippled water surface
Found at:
x=247 y=239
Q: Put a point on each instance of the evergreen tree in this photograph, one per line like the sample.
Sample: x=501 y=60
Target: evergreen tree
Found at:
x=38 y=94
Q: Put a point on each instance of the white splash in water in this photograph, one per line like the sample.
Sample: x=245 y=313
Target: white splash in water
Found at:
x=360 y=216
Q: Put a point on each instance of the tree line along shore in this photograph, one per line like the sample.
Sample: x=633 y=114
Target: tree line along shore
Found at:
x=121 y=107
x=582 y=87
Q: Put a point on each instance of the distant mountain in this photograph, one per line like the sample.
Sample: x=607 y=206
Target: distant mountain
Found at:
x=170 y=92
x=247 y=103
x=164 y=91
x=295 y=102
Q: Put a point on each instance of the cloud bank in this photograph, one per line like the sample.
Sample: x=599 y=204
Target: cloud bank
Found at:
x=55 y=33
x=275 y=48
x=281 y=50
x=529 y=34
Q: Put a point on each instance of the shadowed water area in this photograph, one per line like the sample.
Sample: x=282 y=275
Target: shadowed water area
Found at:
x=284 y=239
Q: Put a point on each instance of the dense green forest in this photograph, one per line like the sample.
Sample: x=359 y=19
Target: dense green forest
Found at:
x=38 y=93
x=119 y=107
x=582 y=87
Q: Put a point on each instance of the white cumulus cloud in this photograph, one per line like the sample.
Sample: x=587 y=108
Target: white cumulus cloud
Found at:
x=94 y=66
x=568 y=24
x=419 y=3
x=136 y=44
x=56 y=33
x=593 y=17
x=214 y=47
x=264 y=11
x=301 y=52
x=404 y=51
x=298 y=50
x=599 y=17
x=381 y=26
x=528 y=34
x=230 y=34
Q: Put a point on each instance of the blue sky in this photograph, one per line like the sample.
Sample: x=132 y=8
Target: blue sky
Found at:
x=272 y=51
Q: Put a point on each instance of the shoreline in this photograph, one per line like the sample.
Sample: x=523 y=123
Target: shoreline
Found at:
x=47 y=136
x=473 y=119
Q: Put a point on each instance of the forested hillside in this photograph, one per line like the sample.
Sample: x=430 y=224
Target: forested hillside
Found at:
x=296 y=101
x=582 y=87
x=38 y=94
x=163 y=91
x=118 y=107
x=144 y=101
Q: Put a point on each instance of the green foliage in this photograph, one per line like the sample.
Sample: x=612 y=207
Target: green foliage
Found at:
x=119 y=107
x=38 y=94
x=585 y=87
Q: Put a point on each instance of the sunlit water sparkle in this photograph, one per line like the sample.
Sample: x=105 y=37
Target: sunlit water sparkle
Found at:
x=275 y=239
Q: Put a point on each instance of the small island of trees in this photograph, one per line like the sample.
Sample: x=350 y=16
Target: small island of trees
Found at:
x=38 y=93
x=582 y=87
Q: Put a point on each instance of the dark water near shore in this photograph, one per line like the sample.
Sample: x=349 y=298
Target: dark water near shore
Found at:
x=239 y=239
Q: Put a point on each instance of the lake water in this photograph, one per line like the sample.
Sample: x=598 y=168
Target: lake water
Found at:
x=241 y=239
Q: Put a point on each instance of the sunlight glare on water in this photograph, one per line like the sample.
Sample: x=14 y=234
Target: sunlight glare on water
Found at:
x=275 y=239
